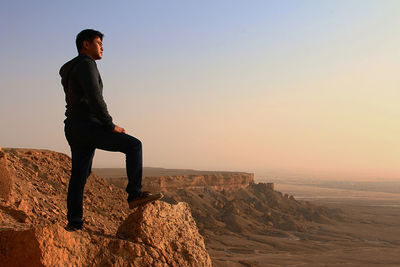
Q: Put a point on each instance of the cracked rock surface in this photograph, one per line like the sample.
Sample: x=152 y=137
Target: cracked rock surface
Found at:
x=32 y=220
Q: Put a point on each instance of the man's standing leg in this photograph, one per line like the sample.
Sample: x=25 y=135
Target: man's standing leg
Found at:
x=82 y=158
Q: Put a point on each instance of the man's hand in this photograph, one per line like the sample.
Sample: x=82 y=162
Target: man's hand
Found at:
x=118 y=129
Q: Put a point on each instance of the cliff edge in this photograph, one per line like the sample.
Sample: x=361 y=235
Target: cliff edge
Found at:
x=32 y=215
x=160 y=179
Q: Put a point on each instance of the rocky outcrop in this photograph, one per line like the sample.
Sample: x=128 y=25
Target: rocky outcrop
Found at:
x=195 y=180
x=256 y=209
x=32 y=222
x=217 y=181
x=169 y=239
x=6 y=179
x=172 y=233
x=40 y=190
x=231 y=203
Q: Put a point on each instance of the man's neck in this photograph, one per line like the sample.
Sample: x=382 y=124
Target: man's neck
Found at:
x=86 y=54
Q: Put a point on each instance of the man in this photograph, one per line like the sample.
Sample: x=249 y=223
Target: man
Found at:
x=89 y=126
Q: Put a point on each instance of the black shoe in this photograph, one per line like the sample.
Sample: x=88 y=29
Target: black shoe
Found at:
x=144 y=198
x=72 y=228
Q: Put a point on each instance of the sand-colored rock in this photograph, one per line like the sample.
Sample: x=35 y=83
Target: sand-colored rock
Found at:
x=255 y=209
x=32 y=225
x=159 y=235
x=53 y=246
x=19 y=247
x=159 y=179
x=231 y=203
x=16 y=214
x=40 y=189
x=217 y=181
x=6 y=179
x=170 y=230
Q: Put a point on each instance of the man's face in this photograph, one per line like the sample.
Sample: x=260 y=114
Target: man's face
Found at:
x=94 y=49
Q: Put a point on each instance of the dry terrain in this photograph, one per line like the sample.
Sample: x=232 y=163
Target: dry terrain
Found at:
x=355 y=228
x=33 y=186
x=368 y=235
x=243 y=223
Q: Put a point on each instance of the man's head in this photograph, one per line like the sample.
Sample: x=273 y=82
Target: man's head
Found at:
x=89 y=42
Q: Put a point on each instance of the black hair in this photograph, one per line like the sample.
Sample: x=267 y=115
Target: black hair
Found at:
x=87 y=35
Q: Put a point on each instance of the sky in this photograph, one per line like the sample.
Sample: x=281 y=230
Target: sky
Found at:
x=270 y=87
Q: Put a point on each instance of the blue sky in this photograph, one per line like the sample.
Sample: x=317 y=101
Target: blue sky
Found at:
x=292 y=86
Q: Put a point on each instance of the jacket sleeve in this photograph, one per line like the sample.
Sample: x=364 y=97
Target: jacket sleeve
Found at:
x=89 y=79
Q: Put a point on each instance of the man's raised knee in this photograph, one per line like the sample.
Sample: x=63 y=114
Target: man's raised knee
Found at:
x=134 y=145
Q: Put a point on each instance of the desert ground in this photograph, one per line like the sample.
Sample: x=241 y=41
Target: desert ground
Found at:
x=366 y=234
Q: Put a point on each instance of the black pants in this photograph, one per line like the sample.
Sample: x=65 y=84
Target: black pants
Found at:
x=84 y=137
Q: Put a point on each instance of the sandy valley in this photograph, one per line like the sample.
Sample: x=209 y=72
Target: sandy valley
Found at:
x=368 y=235
x=366 y=231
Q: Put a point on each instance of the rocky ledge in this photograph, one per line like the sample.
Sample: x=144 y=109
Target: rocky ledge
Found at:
x=159 y=179
x=32 y=215
x=217 y=181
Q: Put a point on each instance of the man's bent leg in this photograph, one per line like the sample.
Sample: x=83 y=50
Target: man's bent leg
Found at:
x=82 y=158
x=131 y=147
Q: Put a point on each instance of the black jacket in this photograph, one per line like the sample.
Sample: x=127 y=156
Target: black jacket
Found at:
x=84 y=91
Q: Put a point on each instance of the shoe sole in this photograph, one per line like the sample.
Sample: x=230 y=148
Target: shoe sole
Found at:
x=141 y=202
x=72 y=228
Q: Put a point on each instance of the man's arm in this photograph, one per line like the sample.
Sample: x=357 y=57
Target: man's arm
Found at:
x=88 y=77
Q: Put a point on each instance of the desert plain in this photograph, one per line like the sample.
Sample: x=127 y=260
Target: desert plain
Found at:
x=367 y=235
x=365 y=230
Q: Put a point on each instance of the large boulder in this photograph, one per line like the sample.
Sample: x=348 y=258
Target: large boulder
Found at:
x=53 y=246
x=170 y=230
x=157 y=234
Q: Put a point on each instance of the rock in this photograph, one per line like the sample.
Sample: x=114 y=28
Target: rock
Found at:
x=17 y=248
x=173 y=243
x=18 y=215
x=6 y=179
x=170 y=230
x=47 y=246
x=32 y=225
x=218 y=181
x=270 y=186
x=23 y=206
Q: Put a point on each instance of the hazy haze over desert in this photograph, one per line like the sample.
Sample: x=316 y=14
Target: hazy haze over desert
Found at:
x=308 y=88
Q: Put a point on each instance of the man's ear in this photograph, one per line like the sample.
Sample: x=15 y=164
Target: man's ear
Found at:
x=85 y=44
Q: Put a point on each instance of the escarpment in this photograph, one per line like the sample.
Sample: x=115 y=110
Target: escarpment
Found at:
x=232 y=203
x=160 y=179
